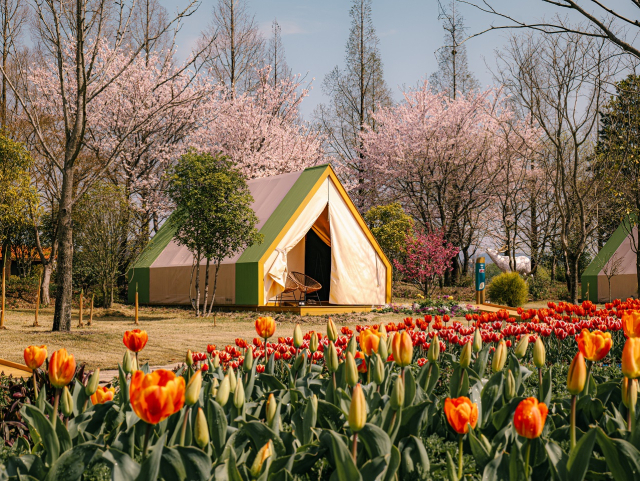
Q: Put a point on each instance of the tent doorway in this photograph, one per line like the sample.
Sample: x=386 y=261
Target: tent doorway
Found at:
x=317 y=262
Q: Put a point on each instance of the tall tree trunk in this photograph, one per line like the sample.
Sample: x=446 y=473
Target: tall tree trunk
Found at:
x=215 y=286
x=47 y=268
x=465 y=263
x=206 y=288
x=64 y=291
x=198 y=258
x=572 y=279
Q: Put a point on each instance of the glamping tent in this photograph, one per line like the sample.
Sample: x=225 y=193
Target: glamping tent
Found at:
x=619 y=250
x=310 y=226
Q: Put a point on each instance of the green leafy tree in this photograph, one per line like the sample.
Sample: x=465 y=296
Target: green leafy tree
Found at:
x=17 y=197
x=390 y=225
x=213 y=214
x=619 y=147
x=101 y=220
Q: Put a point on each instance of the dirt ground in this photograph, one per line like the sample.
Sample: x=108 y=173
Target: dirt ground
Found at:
x=171 y=332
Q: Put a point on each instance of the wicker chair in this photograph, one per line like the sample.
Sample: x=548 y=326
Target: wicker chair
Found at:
x=290 y=287
x=307 y=285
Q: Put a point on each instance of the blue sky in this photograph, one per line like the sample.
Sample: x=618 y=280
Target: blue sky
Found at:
x=314 y=33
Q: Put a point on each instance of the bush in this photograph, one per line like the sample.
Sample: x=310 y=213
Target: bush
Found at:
x=539 y=284
x=508 y=288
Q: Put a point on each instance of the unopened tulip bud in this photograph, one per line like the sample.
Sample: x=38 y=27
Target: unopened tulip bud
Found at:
x=397 y=394
x=629 y=391
x=402 y=349
x=126 y=363
x=357 y=410
x=332 y=333
x=270 y=409
x=477 y=341
x=390 y=342
x=238 y=395
x=577 y=376
x=382 y=350
x=499 y=357
x=510 y=387
x=201 y=431
x=134 y=364
x=214 y=387
x=93 y=383
x=192 y=393
x=297 y=337
x=261 y=457
x=313 y=342
x=539 y=353
x=223 y=391
x=352 y=347
x=351 y=370
x=248 y=359
x=383 y=331
x=434 y=350
x=378 y=370
x=465 y=356
x=232 y=380
x=331 y=357
x=189 y=358
x=216 y=362
x=66 y=402
x=521 y=348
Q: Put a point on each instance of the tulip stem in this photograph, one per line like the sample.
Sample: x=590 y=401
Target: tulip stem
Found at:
x=56 y=403
x=147 y=435
x=354 y=447
x=183 y=431
x=462 y=371
x=35 y=385
x=586 y=388
x=540 y=384
x=573 y=421
x=137 y=363
x=526 y=459
x=632 y=417
x=84 y=406
x=266 y=356
x=460 y=436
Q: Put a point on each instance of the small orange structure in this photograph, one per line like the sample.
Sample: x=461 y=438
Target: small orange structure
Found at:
x=14 y=369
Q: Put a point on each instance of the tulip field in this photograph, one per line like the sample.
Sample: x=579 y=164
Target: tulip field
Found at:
x=552 y=396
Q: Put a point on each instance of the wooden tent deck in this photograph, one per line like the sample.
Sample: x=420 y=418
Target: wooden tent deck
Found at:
x=308 y=310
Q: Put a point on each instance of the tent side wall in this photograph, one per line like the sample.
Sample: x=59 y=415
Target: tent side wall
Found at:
x=590 y=275
x=250 y=266
x=139 y=273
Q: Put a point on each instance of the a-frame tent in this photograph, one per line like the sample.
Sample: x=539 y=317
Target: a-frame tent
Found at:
x=619 y=250
x=309 y=224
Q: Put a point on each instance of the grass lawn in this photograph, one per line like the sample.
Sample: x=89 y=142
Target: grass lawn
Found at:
x=171 y=332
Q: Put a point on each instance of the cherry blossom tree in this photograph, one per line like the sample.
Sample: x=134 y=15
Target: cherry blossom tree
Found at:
x=441 y=158
x=82 y=44
x=428 y=257
x=261 y=131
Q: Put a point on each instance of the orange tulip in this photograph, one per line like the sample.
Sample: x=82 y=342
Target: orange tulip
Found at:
x=34 y=356
x=157 y=395
x=631 y=323
x=362 y=367
x=530 y=417
x=594 y=345
x=461 y=413
x=265 y=327
x=402 y=348
x=369 y=341
x=631 y=358
x=135 y=340
x=102 y=395
x=62 y=368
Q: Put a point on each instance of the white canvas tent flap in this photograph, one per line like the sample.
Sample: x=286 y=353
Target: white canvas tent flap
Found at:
x=358 y=275
x=277 y=273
